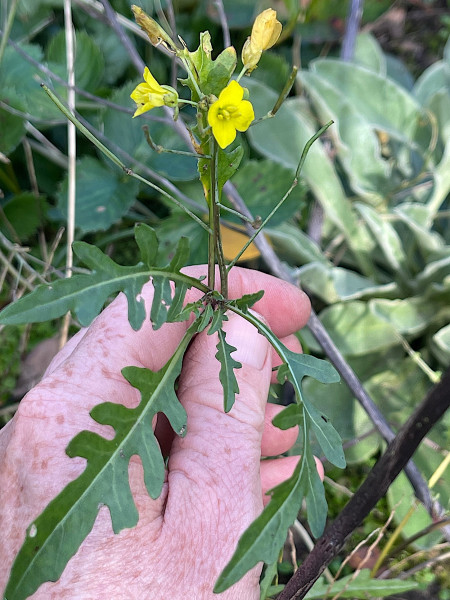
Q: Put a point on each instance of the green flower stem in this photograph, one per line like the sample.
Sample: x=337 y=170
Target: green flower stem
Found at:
x=281 y=98
x=216 y=215
x=115 y=159
x=159 y=149
x=191 y=76
x=308 y=145
x=241 y=74
x=8 y=27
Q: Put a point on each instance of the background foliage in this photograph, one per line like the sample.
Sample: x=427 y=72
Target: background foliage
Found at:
x=367 y=232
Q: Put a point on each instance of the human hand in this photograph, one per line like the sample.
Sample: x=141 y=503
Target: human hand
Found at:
x=215 y=482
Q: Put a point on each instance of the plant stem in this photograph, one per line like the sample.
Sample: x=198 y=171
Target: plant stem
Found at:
x=8 y=27
x=216 y=224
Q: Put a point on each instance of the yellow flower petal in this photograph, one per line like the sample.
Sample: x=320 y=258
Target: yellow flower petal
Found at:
x=230 y=113
x=151 y=81
x=245 y=116
x=224 y=132
x=232 y=94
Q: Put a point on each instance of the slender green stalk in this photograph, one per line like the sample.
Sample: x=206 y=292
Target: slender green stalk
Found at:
x=211 y=221
x=308 y=145
x=159 y=149
x=8 y=27
x=281 y=98
x=216 y=213
x=112 y=157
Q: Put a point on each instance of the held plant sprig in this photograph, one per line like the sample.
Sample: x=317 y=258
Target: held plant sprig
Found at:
x=223 y=108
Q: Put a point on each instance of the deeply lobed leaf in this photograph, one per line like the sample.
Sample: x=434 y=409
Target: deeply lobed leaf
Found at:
x=55 y=536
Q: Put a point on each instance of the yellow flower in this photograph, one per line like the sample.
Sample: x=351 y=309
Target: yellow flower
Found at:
x=150 y=94
x=265 y=32
x=230 y=113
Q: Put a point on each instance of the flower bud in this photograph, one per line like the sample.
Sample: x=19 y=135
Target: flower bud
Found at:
x=265 y=32
x=155 y=32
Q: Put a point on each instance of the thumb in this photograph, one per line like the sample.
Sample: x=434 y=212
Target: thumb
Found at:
x=221 y=452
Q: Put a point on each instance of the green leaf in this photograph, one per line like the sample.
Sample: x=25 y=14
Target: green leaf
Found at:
x=289 y=417
x=162 y=310
x=55 y=536
x=333 y=284
x=85 y=294
x=205 y=318
x=12 y=131
x=20 y=84
x=212 y=75
x=386 y=237
x=263 y=539
x=217 y=320
x=89 y=61
x=103 y=195
x=368 y=53
x=316 y=505
x=25 y=212
x=247 y=300
x=265 y=536
x=327 y=436
x=360 y=585
x=294 y=369
x=266 y=581
x=226 y=375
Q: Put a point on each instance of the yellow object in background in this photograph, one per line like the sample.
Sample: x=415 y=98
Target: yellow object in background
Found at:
x=232 y=242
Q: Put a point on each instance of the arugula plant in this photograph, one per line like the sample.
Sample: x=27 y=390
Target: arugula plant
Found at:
x=222 y=107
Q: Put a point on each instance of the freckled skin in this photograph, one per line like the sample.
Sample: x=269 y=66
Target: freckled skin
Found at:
x=214 y=487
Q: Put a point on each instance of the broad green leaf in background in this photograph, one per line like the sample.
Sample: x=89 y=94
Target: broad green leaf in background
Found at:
x=55 y=536
x=359 y=101
x=441 y=345
x=20 y=84
x=12 y=130
x=227 y=365
x=333 y=284
x=103 y=195
x=25 y=213
x=282 y=140
x=360 y=585
x=386 y=105
x=294 y=245
x=89 y=61
x=386 y=236
x=368 y=54
x=85 y=294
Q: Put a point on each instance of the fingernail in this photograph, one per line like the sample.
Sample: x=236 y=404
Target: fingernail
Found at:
x=251 y=347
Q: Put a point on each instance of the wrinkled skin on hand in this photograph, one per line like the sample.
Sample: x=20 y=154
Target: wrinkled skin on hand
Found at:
x=215 y=482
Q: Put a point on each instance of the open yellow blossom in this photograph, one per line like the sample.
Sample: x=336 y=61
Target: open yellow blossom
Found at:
x=150 y=94
x=230 y=113
x=265 y=32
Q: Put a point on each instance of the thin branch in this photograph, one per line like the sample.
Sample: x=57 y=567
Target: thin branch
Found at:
x=124 y=39
x=351 y=29
x=223 y=23
x=375 y=486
